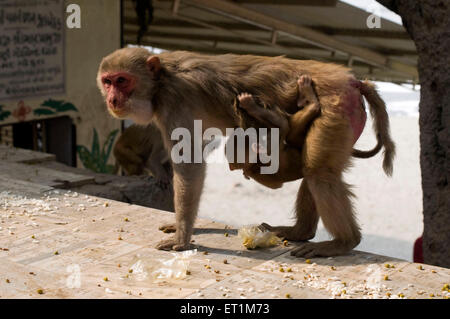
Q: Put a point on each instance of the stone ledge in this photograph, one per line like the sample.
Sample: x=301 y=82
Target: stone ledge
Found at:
x=64 y=244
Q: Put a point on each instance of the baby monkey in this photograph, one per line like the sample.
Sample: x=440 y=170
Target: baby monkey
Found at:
x=140 y=150
x=293 y=130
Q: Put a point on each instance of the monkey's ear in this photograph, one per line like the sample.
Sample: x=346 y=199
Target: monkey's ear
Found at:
x=154 y=66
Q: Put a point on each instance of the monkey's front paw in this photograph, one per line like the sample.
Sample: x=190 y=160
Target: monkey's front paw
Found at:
x=168 y=228
x=245 y=100
x=172 y=244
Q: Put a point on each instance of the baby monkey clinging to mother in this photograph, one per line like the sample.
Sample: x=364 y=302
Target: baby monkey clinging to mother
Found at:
x=292 y=128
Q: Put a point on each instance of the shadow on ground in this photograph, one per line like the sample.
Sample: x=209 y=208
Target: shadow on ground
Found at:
x=384 y=246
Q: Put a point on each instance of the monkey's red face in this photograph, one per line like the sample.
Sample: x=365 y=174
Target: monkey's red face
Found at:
x=118 y=87
x=126 y=79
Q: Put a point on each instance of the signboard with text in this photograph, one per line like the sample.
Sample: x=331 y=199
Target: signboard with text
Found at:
x=31 y=48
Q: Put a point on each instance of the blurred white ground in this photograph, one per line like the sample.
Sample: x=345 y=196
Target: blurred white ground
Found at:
x=389 y=210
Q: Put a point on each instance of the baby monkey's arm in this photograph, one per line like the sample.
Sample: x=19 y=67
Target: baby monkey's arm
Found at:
x=300 y=121
x=268 y=118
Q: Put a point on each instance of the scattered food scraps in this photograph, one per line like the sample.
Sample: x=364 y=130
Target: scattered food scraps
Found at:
x=253 y=237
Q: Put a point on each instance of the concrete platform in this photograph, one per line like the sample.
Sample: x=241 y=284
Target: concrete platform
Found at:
x=58 y=243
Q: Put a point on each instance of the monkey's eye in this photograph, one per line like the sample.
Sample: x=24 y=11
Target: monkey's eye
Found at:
x=107 y=81
x=121 y=80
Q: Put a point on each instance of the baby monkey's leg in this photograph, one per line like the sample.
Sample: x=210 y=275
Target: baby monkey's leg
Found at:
x=300 y=121
x=268 y=117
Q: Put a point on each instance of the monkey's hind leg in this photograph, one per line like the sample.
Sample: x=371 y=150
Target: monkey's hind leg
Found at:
x=307 y=218
x=306 y=94
x=326 y=154
x=332 y=198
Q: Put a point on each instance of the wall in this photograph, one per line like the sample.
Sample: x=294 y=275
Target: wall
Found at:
x=83 y=50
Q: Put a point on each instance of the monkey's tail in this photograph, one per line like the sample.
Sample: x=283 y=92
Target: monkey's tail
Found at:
x=367 y=154
x=380 y=117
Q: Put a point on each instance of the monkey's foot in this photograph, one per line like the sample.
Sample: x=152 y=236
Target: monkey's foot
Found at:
x=322 y=249
x=289 y=232
x=172 y=244
x=306 y=93
x=246 y=101
x=168 y=228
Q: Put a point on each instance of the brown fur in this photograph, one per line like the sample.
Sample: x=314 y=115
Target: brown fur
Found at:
x=140 y=149
x=293 y=130
x=179 y=87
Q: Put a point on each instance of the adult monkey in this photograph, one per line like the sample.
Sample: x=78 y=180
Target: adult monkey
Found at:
x=174 y=88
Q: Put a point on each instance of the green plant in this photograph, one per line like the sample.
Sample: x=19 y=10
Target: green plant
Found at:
x=50 y=107
x=95 y=159
x=3 y=114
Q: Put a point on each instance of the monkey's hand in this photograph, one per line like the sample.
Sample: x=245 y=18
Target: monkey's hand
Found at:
x=172 y=244
x=246 y=101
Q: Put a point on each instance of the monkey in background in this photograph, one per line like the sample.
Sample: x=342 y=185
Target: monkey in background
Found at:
x=292 y=128
x=140 y=150
x=172 y=89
